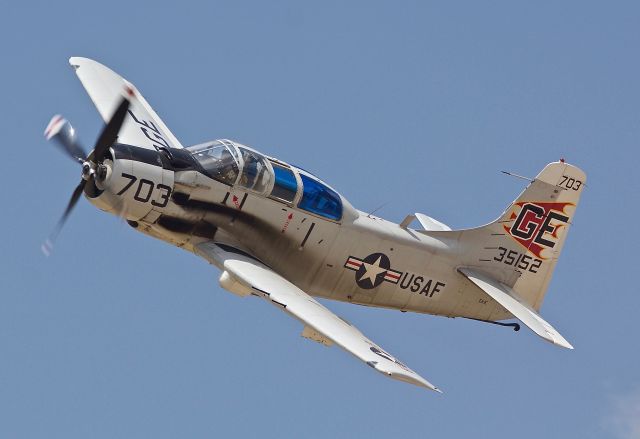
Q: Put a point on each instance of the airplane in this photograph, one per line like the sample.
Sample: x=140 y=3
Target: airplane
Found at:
x=278 y=232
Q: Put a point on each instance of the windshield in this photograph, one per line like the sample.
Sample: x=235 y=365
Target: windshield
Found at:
x=218 y=160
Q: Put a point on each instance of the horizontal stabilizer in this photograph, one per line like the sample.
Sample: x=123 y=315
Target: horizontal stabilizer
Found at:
x=429 y=223
x=506 y=297
x=426 y=222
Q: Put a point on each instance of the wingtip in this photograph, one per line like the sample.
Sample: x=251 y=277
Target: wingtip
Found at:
x=559 y=340
x=566 y=345
x=405 y=375
x=430 y=386
x=75 y=61
x=78 y=61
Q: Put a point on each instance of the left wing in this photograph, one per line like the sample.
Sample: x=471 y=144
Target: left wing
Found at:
x=243 y=274
x=142 y=126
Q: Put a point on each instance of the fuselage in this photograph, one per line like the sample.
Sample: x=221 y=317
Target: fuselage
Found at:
x=291 y=221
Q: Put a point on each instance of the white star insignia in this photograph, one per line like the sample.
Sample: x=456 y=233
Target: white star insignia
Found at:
x=372 y=270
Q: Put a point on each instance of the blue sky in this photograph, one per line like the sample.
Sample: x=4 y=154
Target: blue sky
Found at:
x=415 y=104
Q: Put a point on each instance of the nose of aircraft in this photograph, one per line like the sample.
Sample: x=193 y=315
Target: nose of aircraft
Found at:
x=100 y=188
x=64 y=136
x=131 y=182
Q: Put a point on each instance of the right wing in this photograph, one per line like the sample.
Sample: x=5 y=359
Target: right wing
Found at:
x=142 y=126
x=243 y=274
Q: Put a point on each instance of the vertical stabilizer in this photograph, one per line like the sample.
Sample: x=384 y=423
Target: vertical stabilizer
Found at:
x=527 y=239
x=521 y=248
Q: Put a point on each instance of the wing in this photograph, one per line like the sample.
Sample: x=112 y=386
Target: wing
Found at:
x=245 y=275
x=142 y=127
x=508 y=298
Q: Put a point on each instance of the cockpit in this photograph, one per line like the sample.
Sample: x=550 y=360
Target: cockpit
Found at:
x=234 y=164
x=218 y=160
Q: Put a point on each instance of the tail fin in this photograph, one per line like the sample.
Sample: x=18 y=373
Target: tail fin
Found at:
x=522 y=247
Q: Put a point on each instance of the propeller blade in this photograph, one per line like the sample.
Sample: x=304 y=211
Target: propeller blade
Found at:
x=47 y=247
x=62 y=133
x=110 y=132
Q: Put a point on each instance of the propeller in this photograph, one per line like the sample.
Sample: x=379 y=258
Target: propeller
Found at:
x=60 y=130
x=62 y=133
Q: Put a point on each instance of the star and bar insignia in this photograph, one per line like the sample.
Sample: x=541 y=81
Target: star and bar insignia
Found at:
x=373 y=270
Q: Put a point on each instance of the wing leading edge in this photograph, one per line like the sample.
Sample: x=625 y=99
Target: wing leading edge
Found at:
x=320 y=324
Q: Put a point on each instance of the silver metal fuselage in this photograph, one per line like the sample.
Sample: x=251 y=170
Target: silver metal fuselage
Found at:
x=320 y=256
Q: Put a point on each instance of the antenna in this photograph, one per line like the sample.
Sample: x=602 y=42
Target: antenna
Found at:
x=517 y=176
x=377 y=209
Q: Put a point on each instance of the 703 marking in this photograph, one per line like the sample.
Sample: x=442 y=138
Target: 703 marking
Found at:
x=145 y=190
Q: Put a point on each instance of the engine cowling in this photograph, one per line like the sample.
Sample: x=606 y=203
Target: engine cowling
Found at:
x=135 y=182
